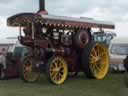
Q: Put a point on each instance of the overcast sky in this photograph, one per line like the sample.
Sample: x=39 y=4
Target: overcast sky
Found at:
x=108 y=10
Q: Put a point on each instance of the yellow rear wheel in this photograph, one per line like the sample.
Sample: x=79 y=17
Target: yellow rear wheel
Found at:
x=96 y=60
x=57 y=70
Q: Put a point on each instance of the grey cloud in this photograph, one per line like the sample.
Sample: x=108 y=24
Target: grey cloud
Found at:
x=67 y=7
x=6 y=1
x=118 y=9
x=18 y=7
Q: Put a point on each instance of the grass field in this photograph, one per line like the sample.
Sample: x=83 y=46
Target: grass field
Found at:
x=79 y=86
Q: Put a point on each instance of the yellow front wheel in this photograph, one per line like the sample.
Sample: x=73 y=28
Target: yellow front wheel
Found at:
x=95 y=60
x=57 y=70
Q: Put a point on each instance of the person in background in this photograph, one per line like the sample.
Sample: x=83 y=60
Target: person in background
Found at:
x=125 y=62
x=1 y=60
x=2 y=64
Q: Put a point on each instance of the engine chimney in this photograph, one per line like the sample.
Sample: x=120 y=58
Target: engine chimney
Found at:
x=42 y=7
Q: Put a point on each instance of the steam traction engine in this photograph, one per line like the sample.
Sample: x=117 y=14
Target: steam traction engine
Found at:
x=60 y=45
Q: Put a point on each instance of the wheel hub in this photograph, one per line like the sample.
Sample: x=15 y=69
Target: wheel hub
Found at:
x=97 y=59
x=56 y=69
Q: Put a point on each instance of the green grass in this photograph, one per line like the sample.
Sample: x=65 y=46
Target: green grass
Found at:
x=79 y=86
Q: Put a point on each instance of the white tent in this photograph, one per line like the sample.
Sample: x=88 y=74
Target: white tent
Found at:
x=8 y=44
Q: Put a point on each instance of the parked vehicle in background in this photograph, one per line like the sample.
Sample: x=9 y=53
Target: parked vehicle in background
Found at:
x=13 y=56
x=104 y=37
x=118 y=52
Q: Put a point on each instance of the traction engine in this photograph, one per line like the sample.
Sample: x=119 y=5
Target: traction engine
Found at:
x=59 y=46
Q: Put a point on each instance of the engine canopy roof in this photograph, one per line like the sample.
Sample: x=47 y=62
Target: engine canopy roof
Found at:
x=23 y=19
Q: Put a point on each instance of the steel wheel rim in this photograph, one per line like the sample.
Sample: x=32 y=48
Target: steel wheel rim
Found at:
x=99 y=61
x=28 y=72
x=58 y=70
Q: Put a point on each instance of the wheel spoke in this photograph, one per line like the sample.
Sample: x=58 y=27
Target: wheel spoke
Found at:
x=94 y=52
x=102 y=65
x=60 y=64
x=98 y=50
x=92 y=62
x=92 y=59
x=53 y=72
x=59 y=76
x=97 y=66
x=56 y=64
x=55 y=76
x=94 y=69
